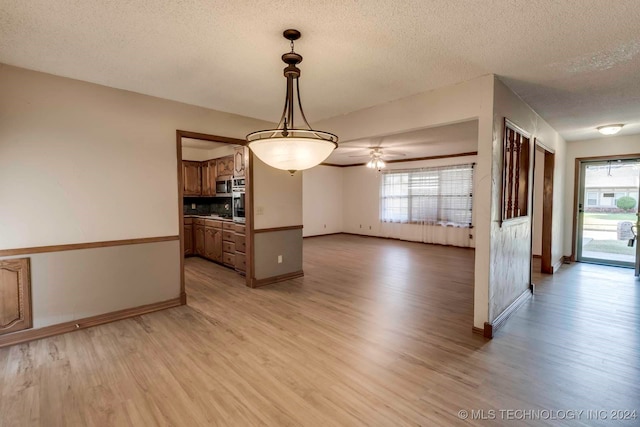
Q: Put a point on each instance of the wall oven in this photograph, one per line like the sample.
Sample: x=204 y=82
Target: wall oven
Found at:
x=238 y=205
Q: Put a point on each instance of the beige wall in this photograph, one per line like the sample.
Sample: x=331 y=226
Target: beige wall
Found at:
x=605 y=146
x=322 y=200
x=82 y=163
x=277 y=196
x=511 y=242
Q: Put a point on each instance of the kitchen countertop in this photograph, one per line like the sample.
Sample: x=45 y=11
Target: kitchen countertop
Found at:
x=214 y=217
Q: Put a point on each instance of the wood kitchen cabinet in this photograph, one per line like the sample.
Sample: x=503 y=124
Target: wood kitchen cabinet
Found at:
x=191 y=178
x=209 y=174
x=213 y=243
x=199 y=238
x=187 y=232
x=240 y=241
x=15 y=295
x=224 y=166
x=239 y=156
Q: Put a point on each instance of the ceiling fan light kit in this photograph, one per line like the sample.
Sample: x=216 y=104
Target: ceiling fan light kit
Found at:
x=287 y=147
x=376 y=161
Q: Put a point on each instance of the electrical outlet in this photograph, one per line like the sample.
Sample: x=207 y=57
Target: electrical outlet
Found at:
x=259 y=210
x=193 y=205
x=360 y=225
x=369 y=227
x=279 y=259
x=325 y=226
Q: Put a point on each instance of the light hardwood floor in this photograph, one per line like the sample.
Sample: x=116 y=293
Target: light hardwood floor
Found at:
x=378 y=333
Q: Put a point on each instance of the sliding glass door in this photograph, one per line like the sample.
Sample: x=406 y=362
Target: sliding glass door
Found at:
x=608 y=198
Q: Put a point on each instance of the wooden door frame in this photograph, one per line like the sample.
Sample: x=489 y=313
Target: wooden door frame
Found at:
x=576 y=190
x=248 y=201
x=547 y=206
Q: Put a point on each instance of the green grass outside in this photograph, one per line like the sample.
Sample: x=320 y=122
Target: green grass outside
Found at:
x=606 y=221
x=610 y=247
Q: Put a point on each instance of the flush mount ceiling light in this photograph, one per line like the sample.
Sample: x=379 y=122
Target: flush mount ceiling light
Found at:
x=376 y=161
x=610 y=129
x=287 y=147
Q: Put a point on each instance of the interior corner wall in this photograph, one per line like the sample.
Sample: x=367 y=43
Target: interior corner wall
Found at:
x=599 y=147
x=82 y=163
x=511 y=242
x=468 y=100
x=322 y=200
x=277 y=205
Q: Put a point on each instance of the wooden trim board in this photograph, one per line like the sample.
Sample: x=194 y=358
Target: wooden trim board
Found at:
x=415 y=159
x=90 y=245
x=491 y=328
x=88 y=322
x=270 y=230
x=256 y=283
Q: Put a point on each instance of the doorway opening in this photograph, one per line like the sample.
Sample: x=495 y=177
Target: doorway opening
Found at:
x=607 y=215
x=542 y=223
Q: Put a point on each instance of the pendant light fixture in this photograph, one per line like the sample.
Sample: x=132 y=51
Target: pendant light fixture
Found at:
x=287 y=147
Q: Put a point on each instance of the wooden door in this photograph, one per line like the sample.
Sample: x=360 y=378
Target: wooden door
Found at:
x=198 y=237
x=213 y=244
x=238 y=162
x=192 y=178
x=188 y=239
x=15 y=295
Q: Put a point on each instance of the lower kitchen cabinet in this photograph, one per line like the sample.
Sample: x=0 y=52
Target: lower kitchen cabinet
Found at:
x=188 y=237
x=198 y=237
x=213 y=244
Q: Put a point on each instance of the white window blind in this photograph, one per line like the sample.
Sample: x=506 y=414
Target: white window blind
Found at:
x=438 y=195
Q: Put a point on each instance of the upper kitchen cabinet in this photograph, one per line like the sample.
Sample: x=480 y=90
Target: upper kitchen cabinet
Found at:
x=224 y=166
x=209 y=174
x=239 y=156
x=192 y=178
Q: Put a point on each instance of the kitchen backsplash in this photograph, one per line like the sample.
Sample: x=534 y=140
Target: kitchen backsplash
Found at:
x=207 y=206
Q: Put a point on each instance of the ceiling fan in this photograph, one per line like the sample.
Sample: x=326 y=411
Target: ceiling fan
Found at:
x=378 y=155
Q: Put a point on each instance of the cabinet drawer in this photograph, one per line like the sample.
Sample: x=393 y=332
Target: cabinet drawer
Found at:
x=228 y=236
x=229 y=259
x=241 y=262
x=213 y=223
x=227 y=225
x=229 y=247
x=198 y=221
x=239 y=228
x=241 y=243
x=188 y=221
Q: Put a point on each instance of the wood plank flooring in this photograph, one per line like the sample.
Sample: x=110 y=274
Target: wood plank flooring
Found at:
x=378 y=333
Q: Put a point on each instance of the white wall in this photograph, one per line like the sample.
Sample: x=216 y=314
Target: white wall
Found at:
x=322 y=200
x=605 y=146
x=538 y=192
x=361 y=212
x=277 y=196
x=81 y=162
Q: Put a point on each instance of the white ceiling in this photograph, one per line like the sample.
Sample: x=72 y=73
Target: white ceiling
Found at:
x=436 y=141
x=575 y=61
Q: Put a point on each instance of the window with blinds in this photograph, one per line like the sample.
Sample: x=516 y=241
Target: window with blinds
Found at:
x=438 y=195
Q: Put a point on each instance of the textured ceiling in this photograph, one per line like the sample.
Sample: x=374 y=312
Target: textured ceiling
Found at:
x=436 y=141
x=575 y=61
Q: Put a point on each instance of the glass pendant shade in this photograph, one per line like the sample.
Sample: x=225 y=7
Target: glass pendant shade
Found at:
x=376 y=163
x=287 y=147
x=291 y=153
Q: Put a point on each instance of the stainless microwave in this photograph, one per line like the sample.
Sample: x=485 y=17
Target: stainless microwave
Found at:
x=223 y=187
